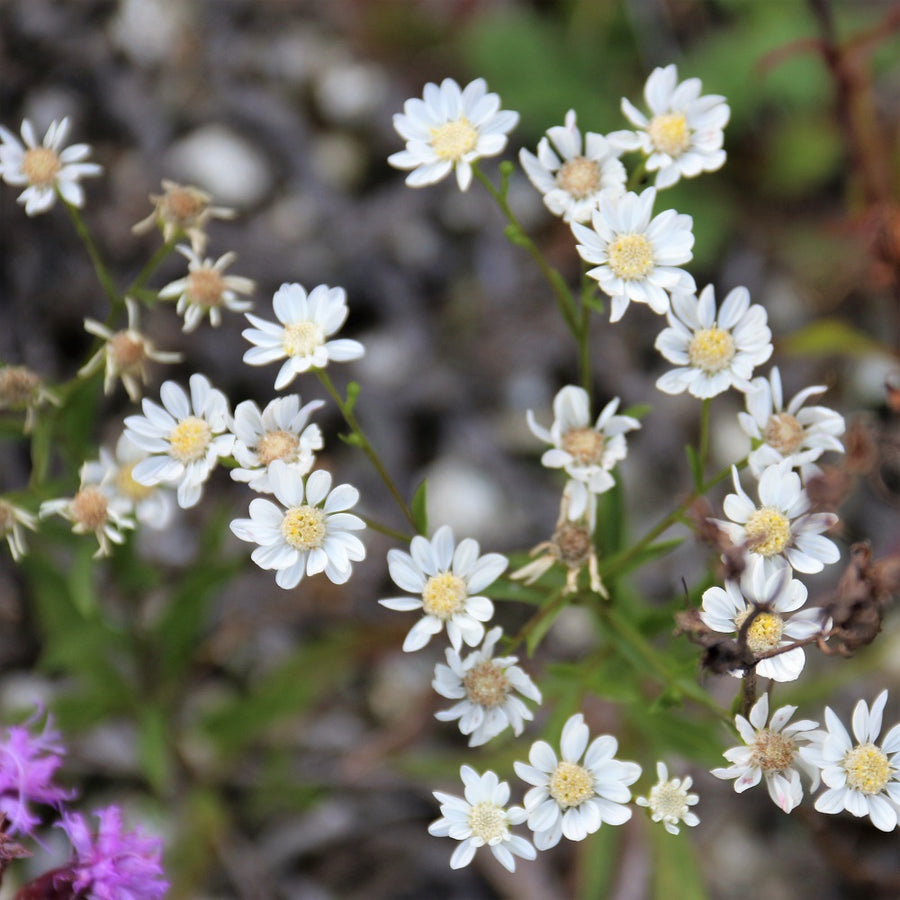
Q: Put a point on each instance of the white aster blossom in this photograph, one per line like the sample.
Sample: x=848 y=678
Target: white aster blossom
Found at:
x=124 y=354
x=45 y=169
x=13 y=519
x=636 y=255
x=781 y=528
x=185 y=437
x=305 y=322
x=669 y=801
x=774 y=601
x=309 y=532
x=449 y=580
x=481 y=819
x=571 y=173
x=281 y=431
x=683 y=135
x=587 y=451
x=773 y=751
x=861 y=776
x=485 y=685
x=95 y=509
x=450 y=128
x=714 y=350
x=154 y=507
x=206 y=289
x=573 y=799
x=796 y=433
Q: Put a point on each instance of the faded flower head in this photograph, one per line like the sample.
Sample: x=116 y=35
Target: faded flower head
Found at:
x=22 y=389
x=450 y=129
x=45 y=169
x=13 y=519
x=669 y=801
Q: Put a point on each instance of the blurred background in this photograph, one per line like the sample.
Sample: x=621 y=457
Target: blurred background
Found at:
x=280 y=741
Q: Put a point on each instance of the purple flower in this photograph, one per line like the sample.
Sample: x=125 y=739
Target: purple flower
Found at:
x=27 y=765
x=113 y=864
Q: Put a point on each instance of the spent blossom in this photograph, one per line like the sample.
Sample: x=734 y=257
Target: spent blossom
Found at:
x=448 y=129
x=486 y=688
x=13 y=521
x=636 y=255
x=44 y=168
x=23 y=389
x=571 y=172
x=669 y=801
x=448 y=579
x=683 y=135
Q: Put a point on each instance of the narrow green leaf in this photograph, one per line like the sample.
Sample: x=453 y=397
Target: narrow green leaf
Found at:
x=352 y=395
x=675 y=869
x=419 y=508
x=695 y=464
x=153 y=748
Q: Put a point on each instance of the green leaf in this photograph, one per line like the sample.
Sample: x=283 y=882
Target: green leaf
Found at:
x=831 y=337
x=352 y=395
x=153 y=748
x=695 y=464
x=543 y=626
x=516 y=236
x=597 y=863
x=419 y=508
x=675 y=869
x=660 y=548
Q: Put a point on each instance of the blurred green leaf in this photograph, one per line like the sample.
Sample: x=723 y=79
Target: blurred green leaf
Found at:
x=419 y=508
x=675 y=869
x=831 y=337
x=154 y=733
x=597 y=863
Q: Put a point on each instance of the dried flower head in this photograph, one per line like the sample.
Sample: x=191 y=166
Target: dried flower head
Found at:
x=12 y=520
x=22 y=389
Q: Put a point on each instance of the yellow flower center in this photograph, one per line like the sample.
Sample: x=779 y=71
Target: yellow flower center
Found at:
x=302 y=338
x=585 y=445
x=126 y=350
x=453 y=140
x=784 y=433
x=303 y=527
x=670 y=134
x=206 y=286
x=128 y=487
x=579 y=177
x=486 y=684
x=444 y=595
x=277 y=445
x=571 y=784
x=630 y=256
x=668 y=800
x=40 y=165
x=764 y=632
x=89 y=507
x=773 y=752
x=488 y=821
x=868 y=769
x=18 y=386
x=189 y=439
x=768 y=531
x=711 y=349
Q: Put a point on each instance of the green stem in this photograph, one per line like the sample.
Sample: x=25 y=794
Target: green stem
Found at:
x=582 y=338
x=548 y=609
x=103 y=275
x=703 y=443
x=160 y=254
x=634 y=180
x=366 y=447
x=386 y=530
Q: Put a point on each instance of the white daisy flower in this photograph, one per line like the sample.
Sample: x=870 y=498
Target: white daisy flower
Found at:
x=125 y=354
x=773 y=598
x=781 y=529
x=310 y=532
x=280 y=431
x=13 y=519
x=683 y=136
x=94 y=508
x=587 y=452
x=300 y=338
x=44 y=168
x=570 y=799
x=481 y=819
x=154 y=507
x=485 y=687
x=571 y=173
x=636 y=257
x=185 y=436
x=205 y=290
x=798 y=434
x=450 y=128
x=862 y=777
x=713 y=351
x=669 y=801
x=773 y=751
x=448 y=579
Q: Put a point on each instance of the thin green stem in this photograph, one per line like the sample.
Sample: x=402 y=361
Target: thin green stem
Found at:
x=363 y=443
x=102 y=272
x=703 y=442
x=634 y=180
x=386 y=530
x=159 y=255
x=548 y=609
x=582 y=339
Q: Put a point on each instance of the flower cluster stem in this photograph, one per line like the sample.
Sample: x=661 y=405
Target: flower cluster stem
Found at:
x=103 y=276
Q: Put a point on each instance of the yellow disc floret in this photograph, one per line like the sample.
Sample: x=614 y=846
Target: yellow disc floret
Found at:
x=128 y=487
x=304 y=527
x=41 y=165
x=444 y=595
x=711 y=350
x=768 y=531
x=206 y=286
x=868 y=769
x=579 y=177
x=585 y=445
x=670 y=134
x=773 y=752
x=302 y=338
x=668 y=800
x=764 y=632
x=488 y=821
x=571 y=784
x=453 y=140
x=486 y=684
x=277 y=445
x=630 y=256
x=189 y=439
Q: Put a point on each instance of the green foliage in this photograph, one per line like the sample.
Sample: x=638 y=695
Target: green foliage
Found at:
x=419 y=508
